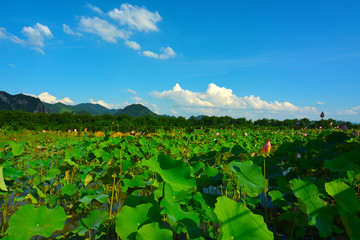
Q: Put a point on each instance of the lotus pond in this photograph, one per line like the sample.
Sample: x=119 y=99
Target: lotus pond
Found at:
x=217 y=184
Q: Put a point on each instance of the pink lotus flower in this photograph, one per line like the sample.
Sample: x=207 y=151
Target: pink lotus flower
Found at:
x=344 y=127
x=44 y=131
x=75 y=130
x=266 y=148
x=245 y=134
x=69 y=131
x=232 y=134
x=355 y=133
x=298 y=155
x=252 y=155
x=305 y=134
x=217 y=134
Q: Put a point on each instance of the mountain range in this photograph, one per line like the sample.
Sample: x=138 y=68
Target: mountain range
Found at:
x=31 y=104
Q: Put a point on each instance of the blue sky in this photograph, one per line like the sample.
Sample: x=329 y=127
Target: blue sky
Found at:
x=253 y=59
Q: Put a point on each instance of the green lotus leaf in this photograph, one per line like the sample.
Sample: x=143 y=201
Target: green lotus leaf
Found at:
x=52 y=173
x=130 y=219
x=2 y=181
x=347 y=205
x=198 y=197
x=153 y=231
x=238 y=222
x=174 y=172
x=69 y=190
x=345 y=197
x=92 y=221
x=29 y=221
x=16 y=148
x=176 y=215
x=249 y=176
x=320 y=215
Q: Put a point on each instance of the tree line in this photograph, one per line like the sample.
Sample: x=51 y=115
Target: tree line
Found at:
x=18 y=120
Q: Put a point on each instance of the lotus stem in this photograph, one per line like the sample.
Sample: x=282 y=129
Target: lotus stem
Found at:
x=112 y=197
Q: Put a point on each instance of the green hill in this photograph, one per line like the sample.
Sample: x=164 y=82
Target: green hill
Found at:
x=21 y=102
x=136 y=110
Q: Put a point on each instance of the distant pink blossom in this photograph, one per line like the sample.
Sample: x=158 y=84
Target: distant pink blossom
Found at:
x=245 y=134
x=305 y=134
x=298 y=155
x=252 y=154
x=344 y=127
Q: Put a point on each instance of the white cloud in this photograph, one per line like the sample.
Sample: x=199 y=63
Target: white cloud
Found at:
x=36 y=36
x=104 y=104
x=174 y=112
x=95 y=9
x=155 y=109
x=12 y=65
x=320 y=103
x=138 y=18
x=137 y=99
x=133 y=45
x=352 y=111
x=107 y=31
x=68 y=30
x=220 y=98
x=167 y=53
x=130 y=91
x=46 y=97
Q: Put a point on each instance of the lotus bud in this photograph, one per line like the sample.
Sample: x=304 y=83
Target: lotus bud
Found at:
x=298 y=155
x=266 y=148
x=355 y=133
x=344 y=127
x=322 y=115
x=252 y=155
x=245 y=134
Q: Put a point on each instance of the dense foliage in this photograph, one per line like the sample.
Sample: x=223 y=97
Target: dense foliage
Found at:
x=214 y=184
x=17 y=120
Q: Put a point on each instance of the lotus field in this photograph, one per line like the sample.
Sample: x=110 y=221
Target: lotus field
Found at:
x=205 y=184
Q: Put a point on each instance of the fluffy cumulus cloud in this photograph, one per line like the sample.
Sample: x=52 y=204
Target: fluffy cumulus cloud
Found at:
x=48 y=98
x=35 y=36
x=220 y=100
x=107 y=31
x=167 y=53
x=137 y=18
x=104 y=104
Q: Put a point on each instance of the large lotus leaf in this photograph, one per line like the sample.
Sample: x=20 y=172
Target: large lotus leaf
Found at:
x=16 y=148
x=102 y=198
x=345 y=197
x=69 y=190
x=29 y=221
x=351 y=224
x=52 y=173
x=130 y=219
x=249 y=176
x=320 y=215
x=174 y=172
x=209 y=212
x=2 y=181
x=92 y=221
x=153 y=231
x=238 y=222
x=177 y=215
